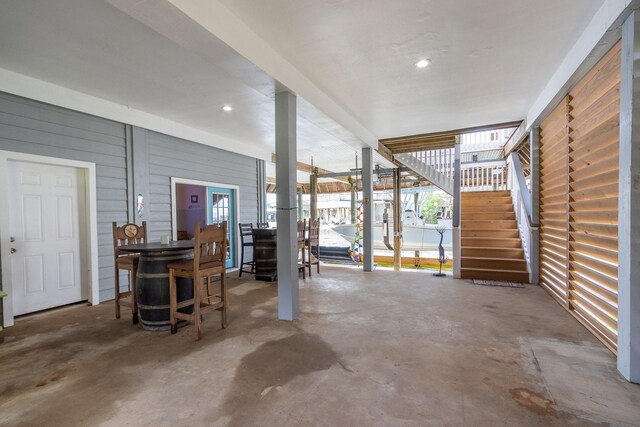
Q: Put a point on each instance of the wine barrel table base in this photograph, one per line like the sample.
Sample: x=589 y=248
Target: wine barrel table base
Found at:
x=265 y=254
x=152 y=284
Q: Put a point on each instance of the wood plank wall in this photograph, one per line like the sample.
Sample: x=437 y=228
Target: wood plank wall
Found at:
x=579 y=200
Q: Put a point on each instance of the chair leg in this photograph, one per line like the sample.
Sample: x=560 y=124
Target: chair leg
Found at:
x=117 y=290
x=318 y=259
x=241 y=261
x=197 y=320
x=304 y=268
x=134 y=296
x=173 y=301
x=309 y=261
x=223 y=296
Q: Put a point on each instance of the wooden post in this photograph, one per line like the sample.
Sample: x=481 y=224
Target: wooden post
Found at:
x=534 y=167
x=354 y=197
x=313 y=189
x=397 y=221
x=457 y=250
x=416 y=209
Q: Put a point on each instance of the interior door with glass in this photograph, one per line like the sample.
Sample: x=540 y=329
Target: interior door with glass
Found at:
x=221 y=207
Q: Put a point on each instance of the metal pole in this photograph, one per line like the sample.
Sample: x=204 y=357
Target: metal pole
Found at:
x=367 y=205
x=397 y=222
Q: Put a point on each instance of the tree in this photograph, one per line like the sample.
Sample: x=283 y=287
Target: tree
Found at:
x=431 y=206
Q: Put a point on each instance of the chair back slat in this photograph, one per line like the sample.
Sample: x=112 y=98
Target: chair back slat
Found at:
x=302 y=225
x=210 y=244
x=120 y=236
x=262 y=225
x=245 y=228
x=314 y=230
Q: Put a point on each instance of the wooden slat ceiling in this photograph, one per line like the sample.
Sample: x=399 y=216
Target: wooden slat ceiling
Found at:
x=436 y=140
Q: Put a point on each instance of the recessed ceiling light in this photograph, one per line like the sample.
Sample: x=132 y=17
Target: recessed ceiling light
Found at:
x=227 y=108
x=422 y=63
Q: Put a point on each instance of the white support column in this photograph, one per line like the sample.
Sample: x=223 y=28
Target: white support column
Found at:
x=300 y=205
x=367 y=204
x=534 y=250
x=629 y=204
x=457 y=251
x=288 y=299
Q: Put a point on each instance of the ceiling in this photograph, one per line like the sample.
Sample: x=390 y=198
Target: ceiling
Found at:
x=489 y=61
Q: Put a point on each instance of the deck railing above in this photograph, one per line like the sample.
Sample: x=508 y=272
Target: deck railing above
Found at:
x=489 y=176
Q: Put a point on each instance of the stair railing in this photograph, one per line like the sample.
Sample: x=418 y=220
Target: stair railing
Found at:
x=521 y=196
x=441 y=160
x=485 y=176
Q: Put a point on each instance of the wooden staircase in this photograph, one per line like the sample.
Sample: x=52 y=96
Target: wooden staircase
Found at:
x=491 y=247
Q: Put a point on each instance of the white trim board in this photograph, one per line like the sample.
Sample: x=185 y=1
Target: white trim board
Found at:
x=93 y=287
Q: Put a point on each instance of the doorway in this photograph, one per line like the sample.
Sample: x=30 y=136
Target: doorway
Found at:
x=208 y=203
x=49 y=233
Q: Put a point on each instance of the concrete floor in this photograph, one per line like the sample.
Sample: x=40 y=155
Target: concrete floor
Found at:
x=369 y=349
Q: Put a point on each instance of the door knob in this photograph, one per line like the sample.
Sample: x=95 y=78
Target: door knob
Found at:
x=13 y=250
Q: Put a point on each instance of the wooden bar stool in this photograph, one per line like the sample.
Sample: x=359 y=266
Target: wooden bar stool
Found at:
x=128 y=234
x=302 y=225
x=209 y=257
x=313 y=241
x=246 y=241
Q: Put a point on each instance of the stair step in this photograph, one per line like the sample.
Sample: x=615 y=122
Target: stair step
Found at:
x=483 y=232
x=491 y=242
x=469 y=214
x=487 y=201
x=480 y=194
x=486 y=274
x=494 y=263
x=487 y=208
x=501 y=224
x=510 y=253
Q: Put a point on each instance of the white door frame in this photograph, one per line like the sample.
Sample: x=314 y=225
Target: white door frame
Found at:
x=92 y=288
x=174 y=221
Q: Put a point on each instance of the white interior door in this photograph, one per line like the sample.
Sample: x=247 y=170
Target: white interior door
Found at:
x=46 y=212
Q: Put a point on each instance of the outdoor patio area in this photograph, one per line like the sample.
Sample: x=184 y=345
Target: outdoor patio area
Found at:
x=376 y=348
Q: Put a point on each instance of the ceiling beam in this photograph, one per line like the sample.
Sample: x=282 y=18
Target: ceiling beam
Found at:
x=455 y=132
x=516 y=139
x=305 y=167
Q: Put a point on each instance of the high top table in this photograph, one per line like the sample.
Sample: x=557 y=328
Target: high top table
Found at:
x=152 y=284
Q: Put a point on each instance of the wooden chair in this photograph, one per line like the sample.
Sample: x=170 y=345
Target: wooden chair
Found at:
x=128 y=234
x=246 y=241
x=302 y=225
x=313 y=241
x=262 y=225
x=209 y=257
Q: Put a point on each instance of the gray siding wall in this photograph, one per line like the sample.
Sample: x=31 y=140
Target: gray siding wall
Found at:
x=174 y=157
x=32 y=127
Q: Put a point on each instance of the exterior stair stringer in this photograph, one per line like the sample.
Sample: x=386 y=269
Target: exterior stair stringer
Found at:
x=426 y=171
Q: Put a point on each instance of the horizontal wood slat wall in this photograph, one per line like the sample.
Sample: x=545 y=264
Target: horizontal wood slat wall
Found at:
x=579 y=200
